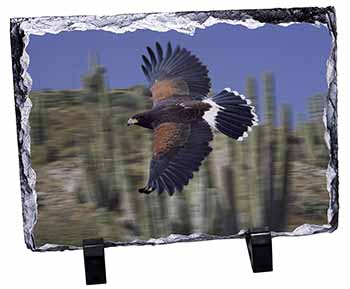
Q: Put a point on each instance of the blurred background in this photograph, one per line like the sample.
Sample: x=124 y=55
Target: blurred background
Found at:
x=89 y=165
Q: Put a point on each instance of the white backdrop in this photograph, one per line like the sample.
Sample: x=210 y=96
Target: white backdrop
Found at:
x=319 y=261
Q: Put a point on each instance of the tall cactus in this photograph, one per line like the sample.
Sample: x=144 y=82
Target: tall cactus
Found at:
x=282 y=176
x=312 y=132
x=201 y=201
x=39 y=130
x=107 y=151
x=252 y=152
x=225 y=179
x=319 y=155
x=39 y=121
x=100 y=144
x=269 y=138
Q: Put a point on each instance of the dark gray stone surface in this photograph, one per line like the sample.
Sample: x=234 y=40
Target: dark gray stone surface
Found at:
x=186 y=22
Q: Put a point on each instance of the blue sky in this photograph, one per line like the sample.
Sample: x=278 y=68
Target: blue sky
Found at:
x=296 y=55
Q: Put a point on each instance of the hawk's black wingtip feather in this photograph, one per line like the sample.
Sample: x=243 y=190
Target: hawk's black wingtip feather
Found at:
x=152 y=56
x=169 y=49
x=159 y=47
x=145 y=72
x=148 y=64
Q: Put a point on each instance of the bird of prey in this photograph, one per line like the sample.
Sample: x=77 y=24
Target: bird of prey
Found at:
x=183 y=116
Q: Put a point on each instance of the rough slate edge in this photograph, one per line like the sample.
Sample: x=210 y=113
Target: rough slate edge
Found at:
x=21 y=28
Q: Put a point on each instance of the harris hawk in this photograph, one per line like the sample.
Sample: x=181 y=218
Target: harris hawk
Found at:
x=183 y=116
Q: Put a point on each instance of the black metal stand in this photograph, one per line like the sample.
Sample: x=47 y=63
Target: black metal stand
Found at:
x=94 y=260
x=259 y=243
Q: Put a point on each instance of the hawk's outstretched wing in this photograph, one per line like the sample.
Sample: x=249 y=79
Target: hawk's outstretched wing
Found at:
x=178 y=151
x=177 y=73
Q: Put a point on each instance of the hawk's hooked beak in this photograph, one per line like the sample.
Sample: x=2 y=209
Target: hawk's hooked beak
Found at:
x=132 y=121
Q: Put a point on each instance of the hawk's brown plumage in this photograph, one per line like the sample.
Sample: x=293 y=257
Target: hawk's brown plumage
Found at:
x=168 y=135
x=168 y=88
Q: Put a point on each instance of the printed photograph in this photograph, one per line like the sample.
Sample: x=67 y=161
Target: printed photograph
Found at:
x=145 y=134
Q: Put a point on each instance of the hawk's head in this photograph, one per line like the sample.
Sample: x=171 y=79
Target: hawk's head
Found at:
x=141 y=119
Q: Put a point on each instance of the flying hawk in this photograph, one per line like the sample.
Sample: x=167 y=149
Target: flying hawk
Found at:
x=183 y=116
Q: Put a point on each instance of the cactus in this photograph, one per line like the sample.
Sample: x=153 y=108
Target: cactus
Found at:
x=39 y=121
x=39 y=130
x=311 y=131
x=224 y=180
x=268 y=146
x=99 y=156
x=319 y=155
x=253 y=157
x=282 y=176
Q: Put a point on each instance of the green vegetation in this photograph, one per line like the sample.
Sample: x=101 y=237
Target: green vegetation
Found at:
x=89 y=166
